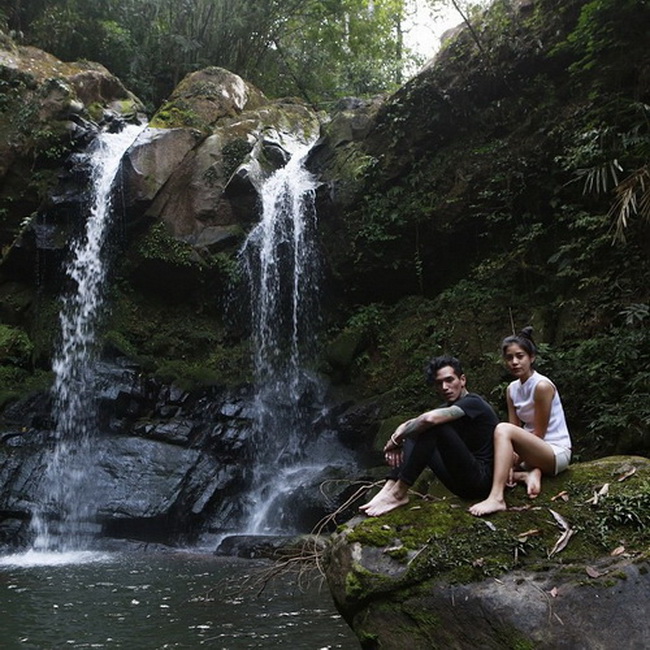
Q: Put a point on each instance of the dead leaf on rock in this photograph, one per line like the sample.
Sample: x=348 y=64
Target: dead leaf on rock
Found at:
x=393 y=549
x=564 y=495
x=593 y=573
x=553 y=592
x=561 y=543
x=561 y=521
x=566 y=535
x=627 y=474
x=604 y=491
x=522 y=537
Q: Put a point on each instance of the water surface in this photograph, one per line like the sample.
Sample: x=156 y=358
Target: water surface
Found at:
x=159 y=601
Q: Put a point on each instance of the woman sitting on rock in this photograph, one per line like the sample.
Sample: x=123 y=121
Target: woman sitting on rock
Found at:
x=535 y=440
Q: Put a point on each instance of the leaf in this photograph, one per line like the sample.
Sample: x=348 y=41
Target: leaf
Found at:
x=593 y=573
x=522 y=537
x=561 y=543
x=627 y=474
x=553 y=592
x=564 y=495
x=562 y=522
x=604 y=491
x=619 y=550
x=489 y=524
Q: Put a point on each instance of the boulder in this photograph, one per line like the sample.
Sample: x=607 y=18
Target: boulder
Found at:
x=202 y=98
x=209 y=190
x=568 y=570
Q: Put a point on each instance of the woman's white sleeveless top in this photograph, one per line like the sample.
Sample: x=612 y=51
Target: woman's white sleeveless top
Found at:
x=523 y=398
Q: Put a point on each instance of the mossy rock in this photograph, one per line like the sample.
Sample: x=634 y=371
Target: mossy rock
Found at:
x=409 y=562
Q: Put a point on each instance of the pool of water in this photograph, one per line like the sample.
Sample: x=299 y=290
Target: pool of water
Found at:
x=161 y=600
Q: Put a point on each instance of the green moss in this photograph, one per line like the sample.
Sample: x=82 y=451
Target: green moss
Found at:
x=176 y=114
x=405 y=524
x=95 y=111
x=353 y=587
x=16 y=383
x=176 y=342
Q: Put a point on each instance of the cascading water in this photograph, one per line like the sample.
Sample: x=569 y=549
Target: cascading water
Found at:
x=282 y=267
x=63 y=521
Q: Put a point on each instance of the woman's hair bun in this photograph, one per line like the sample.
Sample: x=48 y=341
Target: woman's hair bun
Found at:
x=523 y=339
x=527 y=332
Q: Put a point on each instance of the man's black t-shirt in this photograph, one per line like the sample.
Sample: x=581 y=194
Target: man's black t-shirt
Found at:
x=476 y=427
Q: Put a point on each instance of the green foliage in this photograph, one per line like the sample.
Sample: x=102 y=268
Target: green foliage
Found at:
x=158 y=244
x=613 y=414
x=602 y=27
x=314 y=48
x=15 y=346
x=625 y=510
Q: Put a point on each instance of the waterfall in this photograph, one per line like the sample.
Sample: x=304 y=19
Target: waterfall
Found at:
x=64 y=517
x=282 y=267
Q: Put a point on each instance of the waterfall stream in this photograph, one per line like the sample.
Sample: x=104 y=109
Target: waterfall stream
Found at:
x=63 y=520
x=281 y=261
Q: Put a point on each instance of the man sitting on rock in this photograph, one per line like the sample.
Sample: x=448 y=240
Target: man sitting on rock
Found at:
x=455 y=441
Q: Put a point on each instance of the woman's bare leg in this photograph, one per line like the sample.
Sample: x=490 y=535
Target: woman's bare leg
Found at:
x=531 y=449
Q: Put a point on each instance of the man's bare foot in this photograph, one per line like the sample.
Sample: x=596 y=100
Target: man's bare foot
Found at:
x=534 y=483
x=487 y=507
x=389 y=501
x=387 y=487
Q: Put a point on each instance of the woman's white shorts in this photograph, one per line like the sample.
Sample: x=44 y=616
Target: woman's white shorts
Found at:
x=562 y=457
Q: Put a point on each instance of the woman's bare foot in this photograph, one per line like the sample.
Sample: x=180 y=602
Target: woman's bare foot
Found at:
x=534 y=483
x=488 y=506
x=387 y=487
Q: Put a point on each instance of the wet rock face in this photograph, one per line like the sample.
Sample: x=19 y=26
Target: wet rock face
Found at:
x=166 y=466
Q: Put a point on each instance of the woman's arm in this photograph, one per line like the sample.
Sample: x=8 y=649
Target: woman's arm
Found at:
x=512 y=419
x=544 y=392
x=512 y=415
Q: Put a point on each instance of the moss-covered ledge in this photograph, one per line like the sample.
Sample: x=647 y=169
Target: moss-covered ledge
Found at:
x=559 y=571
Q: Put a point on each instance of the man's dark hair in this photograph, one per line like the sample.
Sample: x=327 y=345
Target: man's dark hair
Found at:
x=440 y=362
